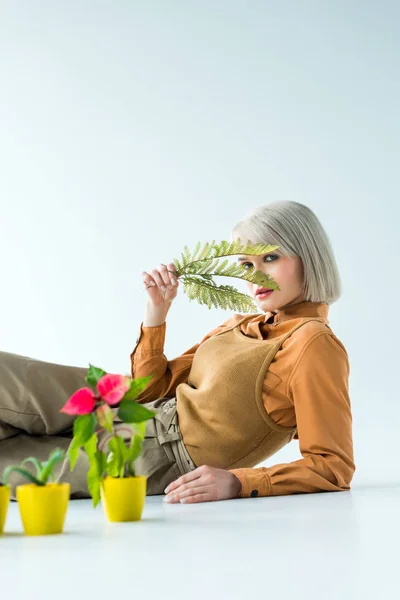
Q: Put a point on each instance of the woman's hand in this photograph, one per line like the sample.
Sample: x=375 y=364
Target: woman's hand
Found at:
x=162 y=277
x=204 y=484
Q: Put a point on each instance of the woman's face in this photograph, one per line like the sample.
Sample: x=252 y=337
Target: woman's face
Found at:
x=287 y=271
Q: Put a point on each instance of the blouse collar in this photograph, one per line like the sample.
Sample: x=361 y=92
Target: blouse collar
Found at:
x=298 y=310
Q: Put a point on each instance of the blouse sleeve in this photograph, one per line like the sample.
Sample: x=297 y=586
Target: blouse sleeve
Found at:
x=148 y=358
x=318 y=387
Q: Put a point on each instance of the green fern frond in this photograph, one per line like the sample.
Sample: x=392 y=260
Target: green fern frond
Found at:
x=197 y=270
x=223 y=296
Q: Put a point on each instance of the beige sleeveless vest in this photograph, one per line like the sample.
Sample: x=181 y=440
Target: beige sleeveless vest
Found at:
x=220 y=410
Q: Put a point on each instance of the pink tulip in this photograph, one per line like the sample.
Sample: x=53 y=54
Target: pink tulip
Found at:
x=113 y=387
x=81 y=402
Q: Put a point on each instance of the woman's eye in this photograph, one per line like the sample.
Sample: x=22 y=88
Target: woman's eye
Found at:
x=274 y=256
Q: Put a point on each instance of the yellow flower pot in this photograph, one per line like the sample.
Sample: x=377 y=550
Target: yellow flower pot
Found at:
x=43 y=508
x=5 y=492
x=123 y=498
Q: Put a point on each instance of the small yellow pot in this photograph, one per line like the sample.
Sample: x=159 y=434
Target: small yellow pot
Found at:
x=43 y=508
x=123 y=498
x=5 y=492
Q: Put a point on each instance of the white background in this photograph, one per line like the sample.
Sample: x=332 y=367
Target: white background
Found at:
x=129 y=129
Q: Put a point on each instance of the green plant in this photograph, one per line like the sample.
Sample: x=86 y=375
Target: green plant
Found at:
x=92 y=405
x=197 y=270
x=44 y=471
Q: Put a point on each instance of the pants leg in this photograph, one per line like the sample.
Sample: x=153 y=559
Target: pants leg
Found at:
x=32 y=392
x=31 y=395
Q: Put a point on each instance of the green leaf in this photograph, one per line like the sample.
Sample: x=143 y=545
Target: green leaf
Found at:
x=105 y=417
x=134 y=449
x=91 y=446
x=35 y=462
x=23 y=472
x=223 y=296
x=196 y=273
x=93 y=376
x=123 y=453
x=139 y=429
x=55 y=457
x=101 y=458
x=112 y=464
x=114 y=458
x=95 y=473
x=93 y=481
x=73 y=452
x=136 y=387
x=130 y=411
x=117 y=458
x=84 y=427
x=98 y=464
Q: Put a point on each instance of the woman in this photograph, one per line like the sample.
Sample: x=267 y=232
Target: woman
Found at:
x=244 y=391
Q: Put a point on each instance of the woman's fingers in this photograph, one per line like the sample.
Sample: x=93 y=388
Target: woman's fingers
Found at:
x=171 y=267
x=165 y=274
x=162 y=277
x=148 y=280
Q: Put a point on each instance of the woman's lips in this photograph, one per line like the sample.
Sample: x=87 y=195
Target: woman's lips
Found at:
x=264 y=294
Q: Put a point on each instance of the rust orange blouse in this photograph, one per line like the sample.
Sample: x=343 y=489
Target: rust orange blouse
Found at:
x=315 y=399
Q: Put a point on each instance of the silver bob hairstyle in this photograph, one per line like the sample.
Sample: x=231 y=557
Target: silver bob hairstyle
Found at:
x=297 y=231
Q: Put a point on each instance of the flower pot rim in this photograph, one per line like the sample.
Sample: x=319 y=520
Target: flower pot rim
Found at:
x=125 y=478
x=52 y=485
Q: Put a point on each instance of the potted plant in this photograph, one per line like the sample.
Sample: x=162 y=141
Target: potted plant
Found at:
x=111 y=476
x=4 y=502
x=42 y=503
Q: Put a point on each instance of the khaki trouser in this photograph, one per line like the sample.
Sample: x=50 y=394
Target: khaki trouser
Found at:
x=31 y=395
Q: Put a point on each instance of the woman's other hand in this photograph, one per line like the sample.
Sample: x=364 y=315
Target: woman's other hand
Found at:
x=203 y=484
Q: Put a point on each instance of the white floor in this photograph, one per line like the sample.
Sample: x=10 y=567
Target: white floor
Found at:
x=331 y=545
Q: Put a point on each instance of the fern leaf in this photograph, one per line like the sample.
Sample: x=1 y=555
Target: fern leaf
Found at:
x=196 y=271
x=224 y=296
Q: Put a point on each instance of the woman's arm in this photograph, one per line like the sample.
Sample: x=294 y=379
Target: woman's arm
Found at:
x=318 y=387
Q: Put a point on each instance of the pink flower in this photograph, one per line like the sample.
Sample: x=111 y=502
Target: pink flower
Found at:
x=113 y=387
x=81 y=402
